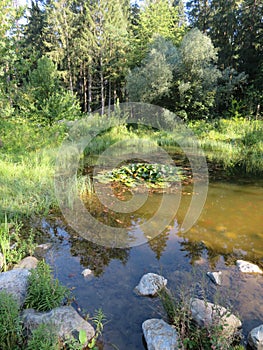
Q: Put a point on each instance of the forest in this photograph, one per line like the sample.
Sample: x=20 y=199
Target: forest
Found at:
x=201 y=59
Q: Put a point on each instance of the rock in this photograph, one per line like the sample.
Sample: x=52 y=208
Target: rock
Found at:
x=150 y=284
x=30 y=262
x=159 y=335
x=215 y=277
x=65 y=319
x=247 y=267
x=86 y=272
x=15 y=283
x=2 y=261
x=41 y=249
x=206 y=314
x=255 y=338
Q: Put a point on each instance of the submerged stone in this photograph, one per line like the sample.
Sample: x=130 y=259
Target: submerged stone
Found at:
x=150 y=284
x=159 y=335
x=215 y=277
x=86 y=272
x=248 y=267
x=255 y=338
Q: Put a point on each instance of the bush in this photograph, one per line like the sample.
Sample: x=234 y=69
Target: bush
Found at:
x=10 y=323
x=43 y=338
x=44 y=292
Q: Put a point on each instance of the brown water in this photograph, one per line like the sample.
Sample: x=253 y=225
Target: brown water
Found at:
x=230 y=227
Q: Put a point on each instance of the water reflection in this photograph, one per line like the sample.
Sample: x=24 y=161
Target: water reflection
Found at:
x=230 y=228
x=96 y=257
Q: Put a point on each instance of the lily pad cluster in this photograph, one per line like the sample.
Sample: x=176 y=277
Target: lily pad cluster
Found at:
x=136 y=174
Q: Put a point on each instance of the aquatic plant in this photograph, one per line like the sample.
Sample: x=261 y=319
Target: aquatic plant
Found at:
x=136 y=174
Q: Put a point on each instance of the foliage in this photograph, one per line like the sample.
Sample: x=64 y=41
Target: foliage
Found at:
x=44 y=292
x=10 y=323
x=152 y=175
x=43 y=338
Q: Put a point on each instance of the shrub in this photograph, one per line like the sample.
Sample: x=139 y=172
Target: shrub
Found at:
x=43 y=338
x=10 y=323
x=44 y=292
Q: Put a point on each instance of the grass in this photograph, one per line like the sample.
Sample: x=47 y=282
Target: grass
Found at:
x=237 y=143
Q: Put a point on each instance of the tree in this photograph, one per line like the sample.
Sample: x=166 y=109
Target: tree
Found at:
x=223 y=30
x=9 y=37
x=153 y=79
x=33 y=33
x=59 y=34
x=197 y=75
x=156 y=18
x=182 y=79
x=44 y=99
x=198 y=12
x=250 y=41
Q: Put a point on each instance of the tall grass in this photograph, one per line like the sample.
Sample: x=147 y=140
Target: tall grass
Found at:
x=27 y=162
x=235 y=143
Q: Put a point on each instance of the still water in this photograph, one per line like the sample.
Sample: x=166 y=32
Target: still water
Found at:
x=230 y=227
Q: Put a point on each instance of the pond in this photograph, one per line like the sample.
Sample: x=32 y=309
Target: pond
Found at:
x=230 y=227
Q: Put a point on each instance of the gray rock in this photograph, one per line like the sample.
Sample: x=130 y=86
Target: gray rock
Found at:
x=150 y=284
x=247 y=267
x=215 y=277
x=86 y=272
x=159 y=335
x=206 y=314
x=30 y=262
x=65 y=320
x=255 y=338
x=2 y=260
x=15 y=282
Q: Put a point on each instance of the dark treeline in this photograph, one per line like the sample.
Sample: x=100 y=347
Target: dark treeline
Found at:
x=203 y=59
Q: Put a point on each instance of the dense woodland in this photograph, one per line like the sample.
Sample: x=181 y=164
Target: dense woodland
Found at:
x=201 y=58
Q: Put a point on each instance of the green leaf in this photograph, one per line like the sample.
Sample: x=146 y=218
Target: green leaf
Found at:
x=83 y=337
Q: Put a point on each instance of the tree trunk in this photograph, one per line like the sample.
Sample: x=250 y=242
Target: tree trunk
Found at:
x=109 y=100
x=85 y=88
x=89 y=90
x=102 y=88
